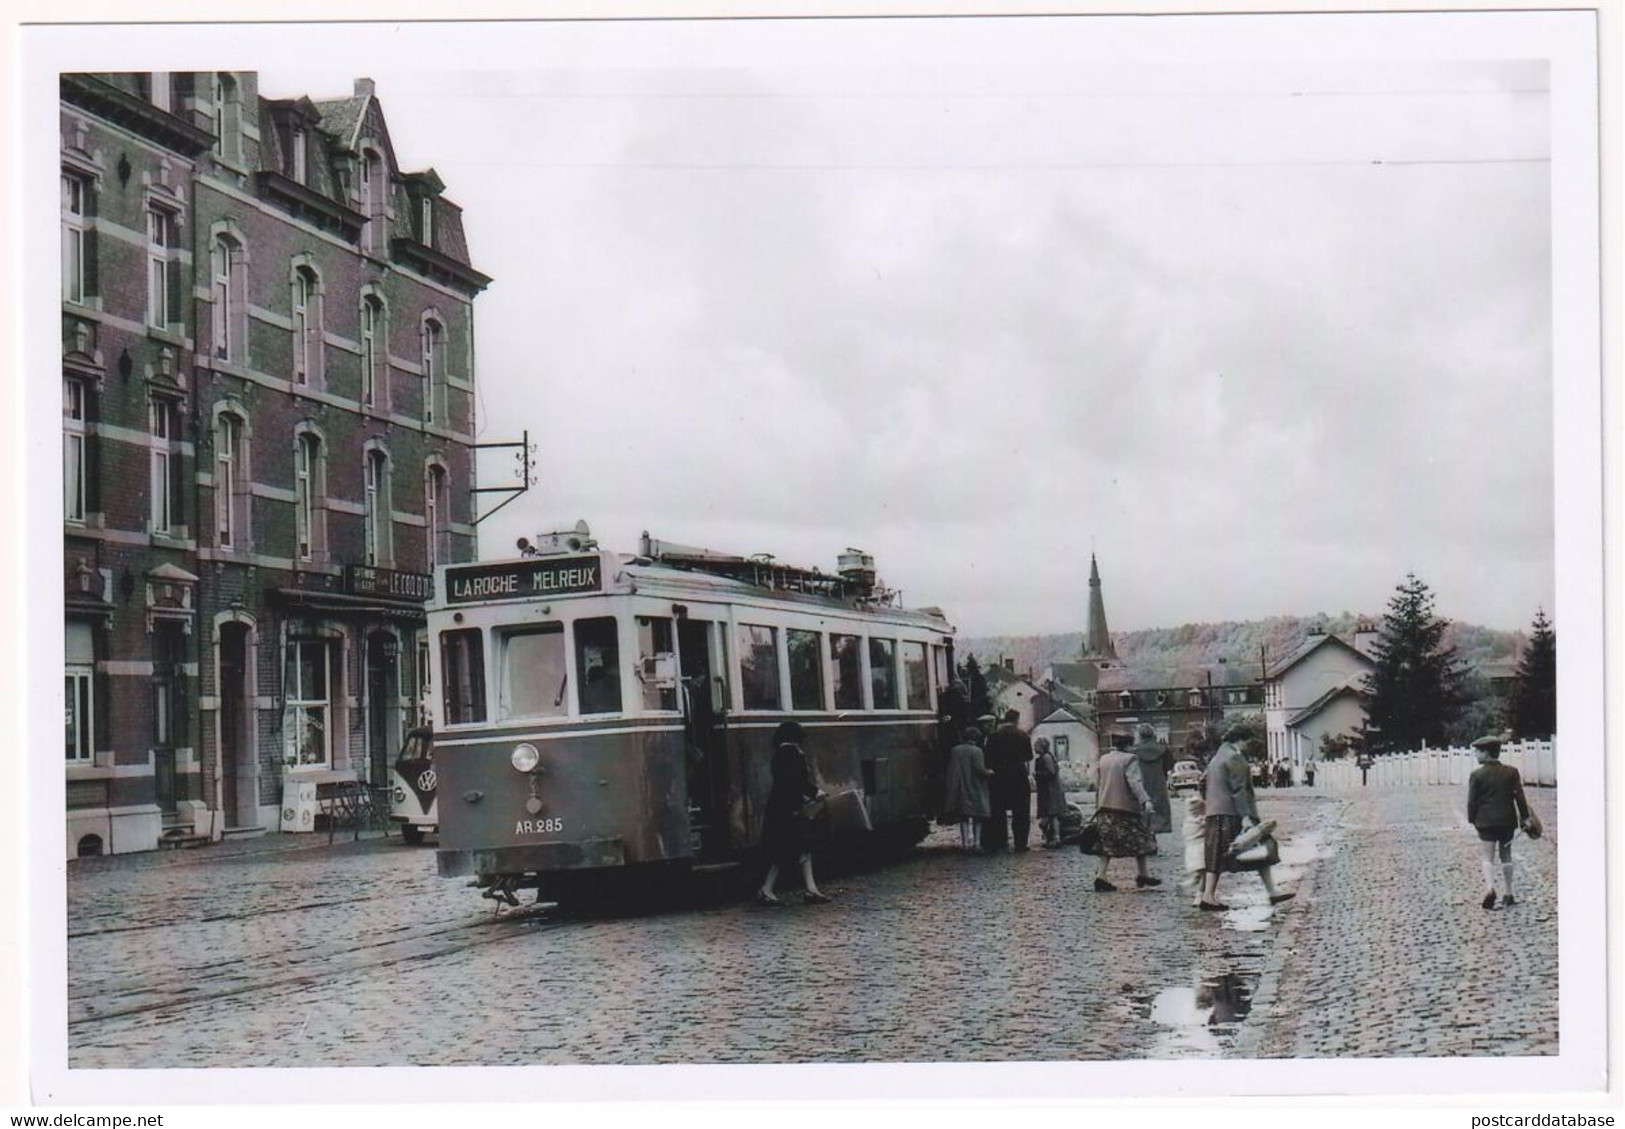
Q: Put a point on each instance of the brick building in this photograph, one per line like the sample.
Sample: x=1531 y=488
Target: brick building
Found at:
x=268 y=417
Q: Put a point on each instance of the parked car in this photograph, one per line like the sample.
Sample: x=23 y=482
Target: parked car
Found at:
x=1186 y=774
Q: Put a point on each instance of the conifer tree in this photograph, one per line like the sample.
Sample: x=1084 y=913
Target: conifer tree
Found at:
x=1534 y=694
x=1415 y=689
x=981 y=702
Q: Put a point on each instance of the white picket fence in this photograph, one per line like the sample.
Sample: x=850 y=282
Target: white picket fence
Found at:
x=1536 y=762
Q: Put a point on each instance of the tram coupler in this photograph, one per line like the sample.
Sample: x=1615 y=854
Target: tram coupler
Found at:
x=501 y=891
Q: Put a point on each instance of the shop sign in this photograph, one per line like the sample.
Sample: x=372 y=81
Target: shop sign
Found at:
x=389 y=583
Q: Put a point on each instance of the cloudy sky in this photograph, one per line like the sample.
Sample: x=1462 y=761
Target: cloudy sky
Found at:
x=1264 y=335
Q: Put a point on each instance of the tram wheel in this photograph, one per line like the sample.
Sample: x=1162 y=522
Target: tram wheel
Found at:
x=412 y=833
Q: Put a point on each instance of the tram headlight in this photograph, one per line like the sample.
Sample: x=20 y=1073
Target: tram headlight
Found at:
x=525 y=758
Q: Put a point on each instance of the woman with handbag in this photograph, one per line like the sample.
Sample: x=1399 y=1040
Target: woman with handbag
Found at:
x=1123 y=814
x=1228 y=800
x=1497 y=808
x=792 y=801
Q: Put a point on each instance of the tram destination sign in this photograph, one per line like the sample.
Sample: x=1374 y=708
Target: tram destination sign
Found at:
x=525 y=580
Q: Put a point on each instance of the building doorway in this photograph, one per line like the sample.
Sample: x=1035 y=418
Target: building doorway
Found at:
x=383 y=704
x=237 y=777
x=168 y=714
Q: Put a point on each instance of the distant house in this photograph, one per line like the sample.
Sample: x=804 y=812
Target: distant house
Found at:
x=1073 y=740
x=1021 y=695
x=1173 y=701
x=1316 y=692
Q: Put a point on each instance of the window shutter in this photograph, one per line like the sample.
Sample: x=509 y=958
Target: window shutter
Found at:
x=89 y=256
x=100 y=701
x=93 y=466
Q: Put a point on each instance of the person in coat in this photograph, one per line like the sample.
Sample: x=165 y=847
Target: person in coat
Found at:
x=1227 y=797
x=1009 y=751
x=1051 y=796
x=965 y=798
x=784 y=831
x=1123 y=810
x=953 y=712
x=1155 y=760
x=1496 y=807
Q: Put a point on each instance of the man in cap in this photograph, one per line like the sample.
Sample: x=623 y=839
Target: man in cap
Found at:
x=1496 y=807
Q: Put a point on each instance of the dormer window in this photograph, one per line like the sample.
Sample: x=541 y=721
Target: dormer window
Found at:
x=426 y=224
x=297 y=143
x=374 y=198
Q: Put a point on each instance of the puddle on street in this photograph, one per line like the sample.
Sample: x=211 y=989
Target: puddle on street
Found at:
x=1200 y=1019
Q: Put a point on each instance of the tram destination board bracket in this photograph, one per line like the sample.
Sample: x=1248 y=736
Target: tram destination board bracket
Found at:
x=525 y=580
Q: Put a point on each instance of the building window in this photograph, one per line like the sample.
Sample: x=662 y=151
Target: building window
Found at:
x=227 y=122
x=372 y=350
x=373 y=200
x=163 y=305
x=307 y=326
x=1062 y=746
x=426 y=221
x=436 y=518
x=305 y=721
x=230 y=497
x=73 y=450
x=77 y=689
x=297 y=142
x=75 y=213
x=306 y=490
x=225 y=270
x=165 y=497
x=377 y=505
x=433 y=362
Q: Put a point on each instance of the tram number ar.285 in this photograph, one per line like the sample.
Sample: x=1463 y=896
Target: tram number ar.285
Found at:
x=551 y=826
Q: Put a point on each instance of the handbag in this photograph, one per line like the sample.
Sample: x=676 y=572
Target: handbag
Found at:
x=1265 y=852
x=1251 y=835
x=1532 y=826
x=1089 y=838
x=814 y=810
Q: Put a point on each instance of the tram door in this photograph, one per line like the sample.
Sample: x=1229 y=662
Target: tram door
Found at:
x=700 y=644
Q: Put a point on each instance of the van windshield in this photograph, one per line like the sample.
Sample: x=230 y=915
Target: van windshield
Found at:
x=419 y=746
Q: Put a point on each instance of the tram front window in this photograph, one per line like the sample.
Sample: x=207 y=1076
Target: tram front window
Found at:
x=598 y=665
x=533 y=672
x=462 y=666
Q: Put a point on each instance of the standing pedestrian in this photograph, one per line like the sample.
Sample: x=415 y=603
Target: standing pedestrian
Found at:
x=1009 y=752
x=784 y=826
x=1051 y=796
x=965 y=798
x=1227 y=795
x=1496 y=807
x=1155 y=760
x=953 y=712
x=1309 y=774
x=1123 y=810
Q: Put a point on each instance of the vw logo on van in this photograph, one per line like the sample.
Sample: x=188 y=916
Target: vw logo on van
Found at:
x=427 y=780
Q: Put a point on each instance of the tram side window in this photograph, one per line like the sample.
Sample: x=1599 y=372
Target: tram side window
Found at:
x=462 y=666
x=883 y=673
x=654 y=644
x=846 y=665
x=534 y=677
x=806 y=670
x=759 y=666
x=916 y=676
x=598 y=665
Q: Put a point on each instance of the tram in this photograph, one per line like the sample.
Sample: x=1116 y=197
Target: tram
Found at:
x=600 y=716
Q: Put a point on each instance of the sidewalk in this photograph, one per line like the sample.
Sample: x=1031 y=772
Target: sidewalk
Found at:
x=1395 y=957
x=227 y=850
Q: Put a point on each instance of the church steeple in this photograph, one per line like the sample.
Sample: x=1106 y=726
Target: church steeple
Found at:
x=1097 y=644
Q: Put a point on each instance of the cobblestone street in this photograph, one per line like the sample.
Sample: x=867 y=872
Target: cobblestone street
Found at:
x=284 y=952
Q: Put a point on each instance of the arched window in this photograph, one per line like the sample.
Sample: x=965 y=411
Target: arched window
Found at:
x=437 y=517
x=227 y=118
x=373 y=350
x=434 y=356
x=377 y=508
x=228 y=297
x=231 y=493
x=307 y=492
x=307 y=327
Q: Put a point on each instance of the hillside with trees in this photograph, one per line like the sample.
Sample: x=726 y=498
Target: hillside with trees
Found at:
x=1204 y=644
